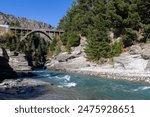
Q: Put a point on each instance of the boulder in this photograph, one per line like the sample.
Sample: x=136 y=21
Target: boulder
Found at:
x=68 y=65
x=146 y=52
x=19 y=63
x=135 y=49
x=77 y=51
x=76 y=63
x=63 y=57
x=130 y=62
x=16 y=61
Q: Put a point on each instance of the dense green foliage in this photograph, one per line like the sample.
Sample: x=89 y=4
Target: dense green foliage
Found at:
x=34 y=47
x=94 y=19
x=55 y=46
x=116 y=48
x=11 y=42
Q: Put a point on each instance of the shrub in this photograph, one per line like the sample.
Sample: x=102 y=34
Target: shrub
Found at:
x=129 y=37
x=116 y=48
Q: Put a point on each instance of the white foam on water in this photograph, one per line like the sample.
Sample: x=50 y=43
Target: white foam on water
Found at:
x=145 y=88
x=68 y=85
x=66 y=77
x=142 y=88
x=71 y=84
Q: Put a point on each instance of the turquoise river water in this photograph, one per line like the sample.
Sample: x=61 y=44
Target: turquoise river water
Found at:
x=83 y=87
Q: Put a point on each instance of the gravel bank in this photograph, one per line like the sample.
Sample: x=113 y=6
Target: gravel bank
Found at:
x=111 y=73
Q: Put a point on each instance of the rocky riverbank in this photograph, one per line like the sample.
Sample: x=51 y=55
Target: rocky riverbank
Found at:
x=131 y=65
x=20 y=89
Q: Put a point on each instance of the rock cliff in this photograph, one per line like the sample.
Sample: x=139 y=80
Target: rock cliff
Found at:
x=6 y=72
x=11 y=20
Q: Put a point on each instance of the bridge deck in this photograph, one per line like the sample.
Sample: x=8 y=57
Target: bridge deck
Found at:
x=29 y=29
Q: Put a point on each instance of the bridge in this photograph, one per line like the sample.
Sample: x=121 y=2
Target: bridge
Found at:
x=22 y=33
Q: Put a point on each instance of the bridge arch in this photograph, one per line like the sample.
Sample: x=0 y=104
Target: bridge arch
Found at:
x=37 y=31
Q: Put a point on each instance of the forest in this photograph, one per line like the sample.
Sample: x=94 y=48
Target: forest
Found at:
x=127 y=20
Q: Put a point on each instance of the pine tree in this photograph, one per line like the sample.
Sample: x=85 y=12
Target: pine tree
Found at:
x=144 y=11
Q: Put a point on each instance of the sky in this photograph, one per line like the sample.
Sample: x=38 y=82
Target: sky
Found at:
x=48 y=11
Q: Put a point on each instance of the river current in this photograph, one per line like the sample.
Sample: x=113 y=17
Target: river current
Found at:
x=83 y=87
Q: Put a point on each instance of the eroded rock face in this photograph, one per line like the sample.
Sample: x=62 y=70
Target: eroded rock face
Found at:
x=68 y=61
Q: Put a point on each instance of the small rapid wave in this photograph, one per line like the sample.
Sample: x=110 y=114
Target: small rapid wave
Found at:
x=64 y=81
x=68 y=85
x=66 y=77
x=142 y=88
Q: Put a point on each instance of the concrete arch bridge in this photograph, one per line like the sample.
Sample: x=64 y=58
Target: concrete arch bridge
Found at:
x=23 y=33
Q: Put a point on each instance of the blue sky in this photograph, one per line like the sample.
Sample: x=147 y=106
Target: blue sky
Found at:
x=48 y=11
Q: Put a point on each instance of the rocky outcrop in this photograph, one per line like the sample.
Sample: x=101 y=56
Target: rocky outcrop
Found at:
x=69 y=60
x=22 y=88
x=130 y=62
x=137 y=58
x=17 y=60
x=34 y=90
x=6 y=72
x=74 y=63
x=11 y=20
x=19 y=63
x=135 y=49
x=146 y=52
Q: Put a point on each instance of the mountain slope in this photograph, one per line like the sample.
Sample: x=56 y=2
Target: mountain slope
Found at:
x=6 y=19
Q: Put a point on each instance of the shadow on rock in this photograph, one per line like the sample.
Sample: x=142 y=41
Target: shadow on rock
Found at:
x=6 y=72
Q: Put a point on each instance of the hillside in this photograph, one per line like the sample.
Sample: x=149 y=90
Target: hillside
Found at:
x=106 y=38
x=6 y=19
x=110 y=26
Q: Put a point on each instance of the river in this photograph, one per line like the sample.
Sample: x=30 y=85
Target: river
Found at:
x=83 y=87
